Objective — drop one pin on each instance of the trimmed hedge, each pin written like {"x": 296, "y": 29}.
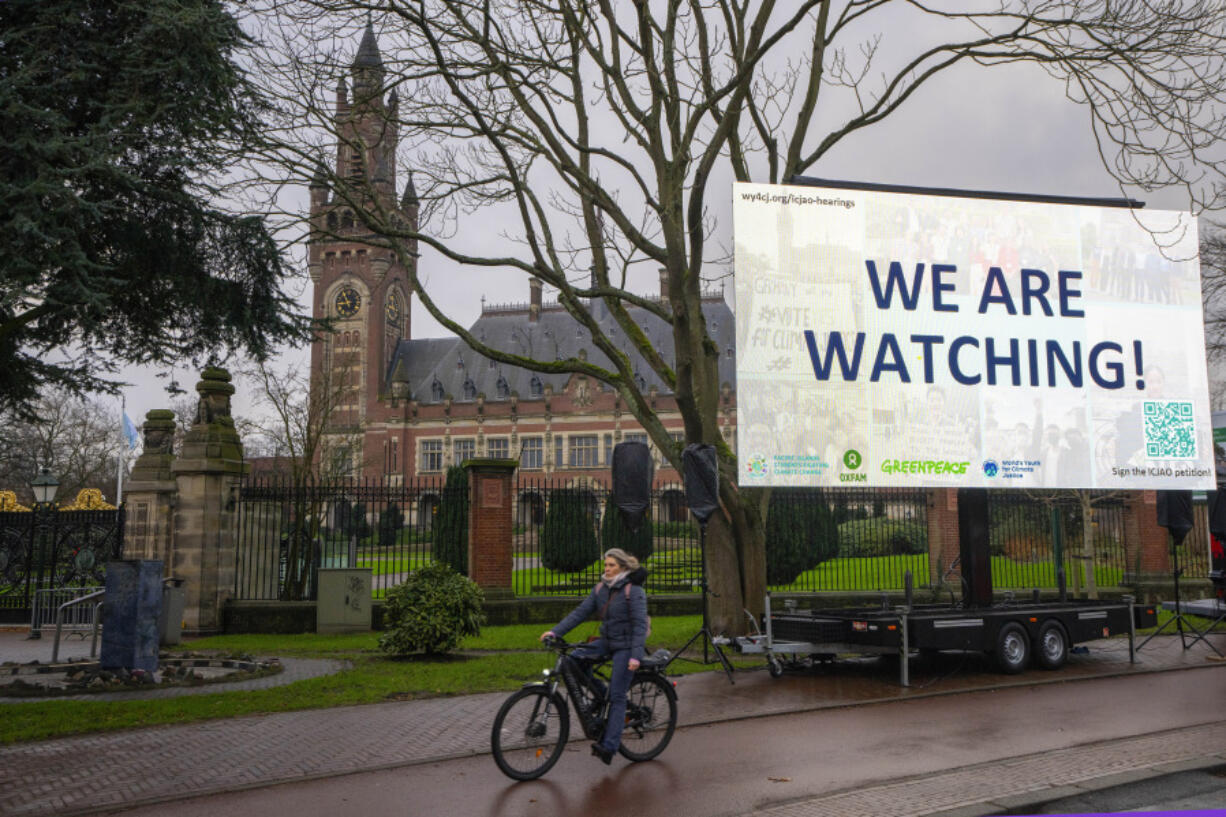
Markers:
{"x": 615, "y": 534}
{"x": 568, "y": 537}
{"x": 800, "y": 534}
{"x": 881, "y": 537}
{"x": 451, "y": 524}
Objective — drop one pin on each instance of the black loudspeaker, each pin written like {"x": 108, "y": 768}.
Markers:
{"x": 701, "y": 480}
{"x": 632, "y": 473}
{"x": 1175, "y": 513}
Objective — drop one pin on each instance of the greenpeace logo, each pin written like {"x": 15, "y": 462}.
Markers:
{"x": 923, "y": 467}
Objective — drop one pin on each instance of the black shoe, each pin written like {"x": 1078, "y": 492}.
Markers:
{"x": 604, "y": 754}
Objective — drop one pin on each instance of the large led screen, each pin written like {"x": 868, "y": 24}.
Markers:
{"x": 898, "y": 339}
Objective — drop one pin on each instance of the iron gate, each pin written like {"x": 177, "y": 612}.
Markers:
{"x": 44, "y": 550}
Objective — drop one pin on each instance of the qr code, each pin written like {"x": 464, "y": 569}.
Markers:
{"x": 1170, "y": 432}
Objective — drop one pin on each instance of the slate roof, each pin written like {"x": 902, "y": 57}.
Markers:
{"x": 451, "y": 364}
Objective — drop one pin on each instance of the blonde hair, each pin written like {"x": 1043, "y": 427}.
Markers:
{"x": 623, "y": 558}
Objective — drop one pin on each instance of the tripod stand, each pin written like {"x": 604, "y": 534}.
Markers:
{"x": 708, "y": 641}
{"x": 1179, "y": 619}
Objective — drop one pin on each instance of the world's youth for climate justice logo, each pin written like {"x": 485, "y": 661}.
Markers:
{"x": 990, "y": 468}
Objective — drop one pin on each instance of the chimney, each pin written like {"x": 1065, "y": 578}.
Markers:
{"x": 534, "y": 299}
{"x": 664, "y": 283}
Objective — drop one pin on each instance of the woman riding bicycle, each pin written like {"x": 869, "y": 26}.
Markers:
{"x": 621, "y": 605}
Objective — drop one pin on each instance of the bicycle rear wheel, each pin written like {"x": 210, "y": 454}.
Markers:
{"x": 651, "y": 717}
{"x": 529, "y": 733}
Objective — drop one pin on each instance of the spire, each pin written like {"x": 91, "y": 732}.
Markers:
{"x": 410, "y": 193}
{"x": 368, "y": 50}
{"x": 320, "y": 179}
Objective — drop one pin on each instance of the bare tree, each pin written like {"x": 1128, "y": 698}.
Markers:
{"x": 603, "y": 135}
{"x": 304, "y": 430}
{"x": 78, "y": 440}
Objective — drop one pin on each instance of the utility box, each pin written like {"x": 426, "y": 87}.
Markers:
{"x": 170, "y": 622}
{"x": 344, "y": 601}
{"x": 130, "y": 615}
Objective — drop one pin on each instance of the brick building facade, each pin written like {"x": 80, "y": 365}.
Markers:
{"x": 459, "y": 405}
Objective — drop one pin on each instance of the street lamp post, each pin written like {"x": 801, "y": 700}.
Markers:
{"x": 44, "y": 487}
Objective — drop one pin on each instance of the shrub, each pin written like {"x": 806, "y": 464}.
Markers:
{"x": 430, "y": 612}
{"x": 800, "y": 534}
{"x": 351, "y": 520}
{"x": 568, "y": 537}
{"x": 451, "y": 524}
{"x": 391, "y": 520}
{"x": 881, "y": 537}
{"x": 615, "y": 534}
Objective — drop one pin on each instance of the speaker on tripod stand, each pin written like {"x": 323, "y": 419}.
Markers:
{"x": 1175, "y": 514}
{"x": 700, "y": 468}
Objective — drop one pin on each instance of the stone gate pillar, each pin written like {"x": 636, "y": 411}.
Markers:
{"x": 490, "y": 502}
{"x": 207, "y": 472}
{"x": 151, "y": 492}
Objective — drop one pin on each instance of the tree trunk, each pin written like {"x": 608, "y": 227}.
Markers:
{"x": 1087, "y": 543}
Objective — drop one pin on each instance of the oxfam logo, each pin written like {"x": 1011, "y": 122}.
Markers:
{"x": 852, "y": 459}
{"x": 990, "y": 468}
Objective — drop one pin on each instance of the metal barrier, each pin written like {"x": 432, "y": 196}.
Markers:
{"x": 59, "y": 622}
{"x": 48, "y": 601}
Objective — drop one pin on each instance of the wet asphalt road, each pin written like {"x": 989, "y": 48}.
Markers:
{"x": 735, "y": 768}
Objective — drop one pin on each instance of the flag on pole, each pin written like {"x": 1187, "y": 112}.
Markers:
{"x": 129, "y": 431}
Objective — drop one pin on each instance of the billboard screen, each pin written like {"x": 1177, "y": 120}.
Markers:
{"x": 902, "y": 339}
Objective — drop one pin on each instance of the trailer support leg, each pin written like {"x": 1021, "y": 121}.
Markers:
{"x": 1132, "y": 630}
{"x": 904, "y": 670}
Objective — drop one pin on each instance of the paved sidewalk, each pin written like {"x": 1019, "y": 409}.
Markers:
{"x": 1025, "y": 781}
{"x": 89, "y": 773}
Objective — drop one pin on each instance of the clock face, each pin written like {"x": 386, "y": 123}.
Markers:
{"x": 348, "y": 302}
{"x": 393, "y": 309}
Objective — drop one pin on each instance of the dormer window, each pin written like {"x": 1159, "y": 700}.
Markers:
{"x": 470, "y": 389}
{"x": 640, "y": 382}
{"x": 536, "y": 388}
{"x": 436, "y": 390}
{"x": 503, "y": 388}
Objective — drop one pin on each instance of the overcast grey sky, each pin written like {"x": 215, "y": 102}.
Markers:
{"x": 1006, "y": 128}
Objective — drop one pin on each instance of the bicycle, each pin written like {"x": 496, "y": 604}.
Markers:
{"x": 532, "y": 726}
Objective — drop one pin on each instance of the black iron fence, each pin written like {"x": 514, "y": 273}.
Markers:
{"x": 833, "y": 539}
{"x": 289, "y": 530}
{"x": 48, "y": 549}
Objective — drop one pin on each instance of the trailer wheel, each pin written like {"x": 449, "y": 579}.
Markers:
{"x": 775, "y": 667}
{"x": 1052, "y": 649}
{"x": 1012, "y": 649}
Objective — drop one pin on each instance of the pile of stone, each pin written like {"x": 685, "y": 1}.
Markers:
{"x": 188, "y": 669}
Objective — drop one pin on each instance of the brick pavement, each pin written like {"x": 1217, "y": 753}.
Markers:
{"x": 1022, "y": 781}
{"x": 84, "y": 774}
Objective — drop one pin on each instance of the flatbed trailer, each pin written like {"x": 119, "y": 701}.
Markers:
{"x": 1013, "y": 632}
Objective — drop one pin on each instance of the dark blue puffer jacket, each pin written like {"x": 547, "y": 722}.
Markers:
{"x": 625, "y": 619}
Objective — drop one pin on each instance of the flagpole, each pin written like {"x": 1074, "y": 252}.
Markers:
{"x": 123, "y": 449}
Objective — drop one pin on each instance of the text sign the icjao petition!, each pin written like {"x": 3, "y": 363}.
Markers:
{"x": 889, "y": 338}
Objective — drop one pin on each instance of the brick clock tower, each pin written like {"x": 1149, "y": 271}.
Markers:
{"x": 362, "y": 288}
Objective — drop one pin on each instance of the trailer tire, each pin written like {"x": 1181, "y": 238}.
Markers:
{"x": 775, "y": 667}
{"x": 1051, "y": 651}
{"x": 1012, "y": 648}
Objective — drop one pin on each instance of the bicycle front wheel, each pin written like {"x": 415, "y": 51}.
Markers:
{"x": 651, "y": 717}
{"x": 529, "y": 733}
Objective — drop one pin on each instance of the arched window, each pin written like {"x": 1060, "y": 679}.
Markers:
{"x": 470, "y": 389}
{"x": 536, "y": 388}
{"x": 357, "y": 338}
{"x": 332, "y": 222}
{"x": 436, "y": 389}
{"x": 347, "y": 220}
{"x": 346, "y": 341}
{"x": 504, "y": 389}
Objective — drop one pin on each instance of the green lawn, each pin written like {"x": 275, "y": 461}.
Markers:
{"x": 500, "y": 658}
